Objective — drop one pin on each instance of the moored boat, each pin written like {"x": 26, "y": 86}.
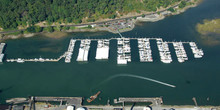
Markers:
{"x": 92, "y": 98}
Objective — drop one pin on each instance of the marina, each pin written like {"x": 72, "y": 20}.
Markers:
{"x": 123, "y": 51}
{"x": 69, "y": 53}
{"x": 193, "y": 78}
{"x": 84, "y": 50}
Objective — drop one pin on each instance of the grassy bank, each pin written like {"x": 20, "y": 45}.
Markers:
{"x": 209, "y": 26}
{"x": 209, "y": 31}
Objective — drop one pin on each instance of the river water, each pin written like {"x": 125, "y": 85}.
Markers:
{"x": 198, "y": 78}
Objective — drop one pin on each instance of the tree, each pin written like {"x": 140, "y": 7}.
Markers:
{"x": 31, "y": 29}
{"x": 66, "y": 28}
{"x": 89, "y": 26}
{"x": 91, "y": 20}
{"x": 38, "y": 29}
{"x": 113, "y": 16}
{"x": 182, "y": 4}
{"x": 171, "y": 9}
{"x": 57, "y": 28}
{"x": 49, "y": 29}
{"x": 135, "y": 17}
{"x": 15, "y": 13}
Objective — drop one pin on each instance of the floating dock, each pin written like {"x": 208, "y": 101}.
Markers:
{"x": 22, "y": 60}
{"x": 2, "y": 46}
{"x": 84, "y": 50}
{"x": 1, "y": 57}
{"x": 145, "y": 52}
{"x": 102, "y": 51}
{"x": 198, "y": 53}
{"x": 69, "y": 52}
{"x": 157, "y": 101}
{"x": 180, "y": 51}
{"x": 164, "y": 51}
{"x": 124, "y": 51}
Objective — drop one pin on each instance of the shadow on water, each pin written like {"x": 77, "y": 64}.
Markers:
{"x": 5, "y": 89}
{"x": 188, "y": 82}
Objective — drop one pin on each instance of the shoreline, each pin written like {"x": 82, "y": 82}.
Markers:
{"x": 60, "y": 103}
{"x": 158, "y": 17}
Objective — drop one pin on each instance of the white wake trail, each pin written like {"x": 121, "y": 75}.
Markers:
{"x": 136, "y": 76}
{"x": 149, "y": 79}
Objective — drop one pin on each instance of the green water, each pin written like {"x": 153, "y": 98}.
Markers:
{"x": 198, "y": 78}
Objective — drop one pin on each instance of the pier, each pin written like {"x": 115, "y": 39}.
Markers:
{"x": 164, "y": 51}
{"x": 77, "y": 101}
{"x": 22, "y": 60}
{"x": 157, "y": 101}
{"x": 70, "y": 51}
{"x": 123, "y": 50}
{"x": 84, "y": 50}
{"x": 180, "y": 51}
{"x": 198, "y": 53}
{"x": 145, "y": 52}
{"x": 68, "y": 100}
{"x": 2, "y": 46}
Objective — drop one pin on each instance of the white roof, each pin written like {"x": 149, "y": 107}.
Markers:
{"x": 80, "y": 55}
{"x": 147, "y": 108}
{"x": 70, "y": 108}
{"x": 1, "y": 57}
{"x": 81, "y": 108}
{"x": 122, "y": 61}
{"x": 85, "y": 56}
{"x": 102, "y": 53}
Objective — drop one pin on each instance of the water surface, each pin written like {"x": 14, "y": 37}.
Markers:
{"x": 195, "y": 78}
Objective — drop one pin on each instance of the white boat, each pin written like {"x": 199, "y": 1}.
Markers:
{"x": 19, "y": 60}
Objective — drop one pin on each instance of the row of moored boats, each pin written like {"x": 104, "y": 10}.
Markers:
{"x": 180, "y": 51}
{"x": 2, "y": 46}
{"x": 164, "y": 51}
{"x": 145, "y": 52}
{"x": 123, "y": 51}
{"x": 198, "y": 53}
{"x": 69, "y": 52}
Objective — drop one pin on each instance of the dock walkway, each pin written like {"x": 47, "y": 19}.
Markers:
{"x": 69, "y": 100}
{"x": 157, "y": 101}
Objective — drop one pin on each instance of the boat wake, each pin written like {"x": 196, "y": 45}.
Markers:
{"x": 135, "y": 76}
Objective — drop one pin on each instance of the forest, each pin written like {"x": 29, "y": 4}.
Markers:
{"x": 14, "y": 13}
